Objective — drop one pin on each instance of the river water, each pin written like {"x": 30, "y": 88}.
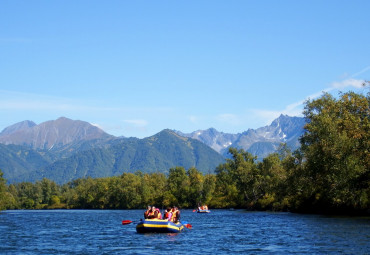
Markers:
{"x": 219, "y": 232}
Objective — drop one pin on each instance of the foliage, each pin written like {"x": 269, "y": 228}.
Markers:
{"x": 2, "y": 191}
{"x": 329, "y": 174}
{"x": 157, "y": 153}
{"x": 336, "y": 147}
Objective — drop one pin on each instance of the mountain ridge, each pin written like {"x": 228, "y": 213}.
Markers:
{"x": 157, "y": 153}
{"x": 66, "y": 149}
{"x": 52, "y": 134}
{"x": 17, "y": 127}
{"x": 261, "y": 141}
{"x": 102, "y": 156}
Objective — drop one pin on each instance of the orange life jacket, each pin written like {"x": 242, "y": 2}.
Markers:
{"x": 174, "y": 214}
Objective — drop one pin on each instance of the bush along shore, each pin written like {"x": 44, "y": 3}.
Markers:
{"x": 329, "y": 174}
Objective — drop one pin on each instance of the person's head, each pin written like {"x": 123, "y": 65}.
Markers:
{"x": 149, "y": 207}
{"x": 153, "y": 208}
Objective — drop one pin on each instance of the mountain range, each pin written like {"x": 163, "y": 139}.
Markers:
{"x": 64, "y": 149}
{"x": 259, "y": 142}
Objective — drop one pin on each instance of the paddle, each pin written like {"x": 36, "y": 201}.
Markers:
{"x": 186, "y": 224}
{"x": 125, "y": 222}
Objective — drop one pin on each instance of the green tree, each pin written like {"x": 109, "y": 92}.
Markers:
{"x": 272, "y": 180}
{"x": 2, "y": 192}
{"x": 85, "y": 193}
{"x": 48, "y": 189}
{"x": 209, "y": 186}
{"x": 196, "y": 193}
{"x": 178, "y": 187}
{"x": 336, "y": 147}
{"x": 113, "y": 193}
{"x": 225, "y": 193}
{"x": 152, "y": 189}
{"x": 130, "y": 196}
{"x": 13, "y": 195}
{"x": 246, "y": 175}
{"x": 29, "y": 195}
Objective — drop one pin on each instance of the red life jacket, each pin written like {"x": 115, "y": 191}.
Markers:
{"x": 168, "y": 216}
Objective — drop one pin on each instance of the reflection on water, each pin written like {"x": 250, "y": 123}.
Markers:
{"x": 220, "y": 232}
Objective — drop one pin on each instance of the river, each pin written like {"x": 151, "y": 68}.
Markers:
{"x": 219, "y": 232}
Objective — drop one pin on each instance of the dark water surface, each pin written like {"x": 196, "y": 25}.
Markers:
{"x": 219, "y": 232}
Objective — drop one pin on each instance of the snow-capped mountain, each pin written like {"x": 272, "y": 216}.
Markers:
{"x": 218, "y": 141}
{"x": 259, "y": 142}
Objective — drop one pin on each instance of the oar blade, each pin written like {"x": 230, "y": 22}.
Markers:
{"x": 188, "y": 226}
{"x": 125, "y": 222}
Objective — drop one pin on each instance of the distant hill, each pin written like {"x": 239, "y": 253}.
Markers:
{"x": 218, "y": 141}
{"x": 266, "y": 140}
{"x": 157, "y": 153}
{"x": 20, "y": 126}
{"x": 259, "y": 142}
{"x": 51, "y": 135}
{"x": 64, "y": 149}
{"x": 18, "y": 162}
{"x": 97, "y": 155}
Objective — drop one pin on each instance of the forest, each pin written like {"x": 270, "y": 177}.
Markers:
{"x": 330, "y": 174}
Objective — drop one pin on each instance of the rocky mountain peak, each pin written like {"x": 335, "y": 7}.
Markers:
{"x": 23, "y": 125}
{"x": 260, "y": 141}
{"x": 54, "y": 134}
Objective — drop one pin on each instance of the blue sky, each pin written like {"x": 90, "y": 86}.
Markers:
{"x": 135, "y": 68}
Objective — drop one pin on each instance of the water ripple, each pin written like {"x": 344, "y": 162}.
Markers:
{"x": 220, "y": 232}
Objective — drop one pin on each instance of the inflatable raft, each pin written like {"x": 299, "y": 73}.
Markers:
{"x": 158, "y": 226}
{"x": 203, "y": 211}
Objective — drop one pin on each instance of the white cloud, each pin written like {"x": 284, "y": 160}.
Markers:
{"x": 296, "y": 109}
{"x": 348, "y": 83}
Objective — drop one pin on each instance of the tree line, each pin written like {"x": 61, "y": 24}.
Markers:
{"x": 328, "y": 174}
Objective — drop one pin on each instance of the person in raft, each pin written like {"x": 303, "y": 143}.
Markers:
{"x": 203, "y": 207}
{"x": 147, "y": 212}
{"x": 175, "y": 214}
{"x": 156, "y": 213}
{"x": 152, "y": 213}
{"x": 167, "y": 214}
